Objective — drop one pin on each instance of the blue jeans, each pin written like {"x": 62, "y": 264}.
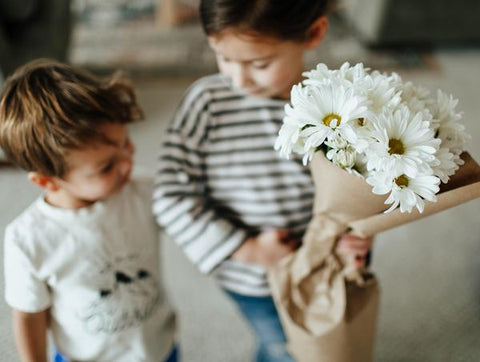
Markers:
{"x": 262, "y": 316}
{"x": 172, "y": 357}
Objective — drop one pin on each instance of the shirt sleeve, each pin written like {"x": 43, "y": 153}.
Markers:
{"x": 24, "y": 290}
{"x": 181, "y": 204}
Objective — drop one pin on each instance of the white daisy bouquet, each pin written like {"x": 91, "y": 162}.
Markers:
{"x": 403, "y": 143}
{"x": 397, "y": 136}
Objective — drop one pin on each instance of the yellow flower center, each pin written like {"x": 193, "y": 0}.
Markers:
{"x": 361, "y": 122}
{"x": 402, "y": 181}
{"x": 395, "y": 147}
{"x": 327, "y": 120}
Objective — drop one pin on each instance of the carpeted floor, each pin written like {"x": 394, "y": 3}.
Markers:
{"x": 429, "y": 270}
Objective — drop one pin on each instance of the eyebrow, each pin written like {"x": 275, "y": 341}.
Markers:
{"x": 260, "y": 59}
{"x": 251, "y": 60}
{"x": 111, "y": 142}
{"x": 111, "y": 159}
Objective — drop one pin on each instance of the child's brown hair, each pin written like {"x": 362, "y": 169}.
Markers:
{"x": 48, "y": 108}
{"x": 283, "y": 19}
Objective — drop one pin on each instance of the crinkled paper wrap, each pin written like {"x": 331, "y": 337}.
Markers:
{"x": 329, "y": 312}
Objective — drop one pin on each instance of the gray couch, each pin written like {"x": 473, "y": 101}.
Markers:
{"x": 406, "y": 22}
{"x": 32, "y": 29}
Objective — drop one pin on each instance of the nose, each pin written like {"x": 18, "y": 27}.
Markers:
{"x": 131, "y": 147}
{"x": 240, "y": 76}
{"x": 126, "y": 161}
{"x": 126, "y": 165}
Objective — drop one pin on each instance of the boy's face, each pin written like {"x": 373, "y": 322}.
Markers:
{"x": 259, "y": 66}
{"x": 97, "y": 171}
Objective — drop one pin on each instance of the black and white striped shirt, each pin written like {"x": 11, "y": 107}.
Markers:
{"x": 220, "y": 179}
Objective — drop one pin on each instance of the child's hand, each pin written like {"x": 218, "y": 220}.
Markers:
{"x": 349, "y": 244}
{"x": 266, "y": 249}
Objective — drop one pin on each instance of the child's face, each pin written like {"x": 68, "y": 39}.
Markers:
{"x": 260, "y": 66}
{"x": 97, "y": 171}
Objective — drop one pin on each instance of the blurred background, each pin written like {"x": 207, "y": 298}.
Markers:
{"x": 429, "y": 270}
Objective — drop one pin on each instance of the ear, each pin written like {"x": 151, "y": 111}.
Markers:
{"x": 316, "y": 32}
{"x": 48, "y": 183}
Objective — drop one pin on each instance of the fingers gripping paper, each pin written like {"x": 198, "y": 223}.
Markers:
{"x": 328, "y": 311}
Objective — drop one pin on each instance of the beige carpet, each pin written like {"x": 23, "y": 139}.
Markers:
{"x": 429, "y": 270}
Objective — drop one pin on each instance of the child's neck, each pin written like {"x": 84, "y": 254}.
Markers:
{"x": 286, "y": 96}
{"x": 299, "y": 80}
{"x": 62, "y": 201}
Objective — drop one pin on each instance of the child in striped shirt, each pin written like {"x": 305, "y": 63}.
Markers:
{"x": 225, "y": 196}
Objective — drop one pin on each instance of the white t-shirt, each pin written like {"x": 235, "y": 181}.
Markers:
{"x": 97, "y": 269}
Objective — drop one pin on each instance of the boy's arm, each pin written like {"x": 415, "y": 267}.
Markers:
{"x": 180, "y": 204}
{"x": 26, "y": 291}
{"x": 30, "y": 331}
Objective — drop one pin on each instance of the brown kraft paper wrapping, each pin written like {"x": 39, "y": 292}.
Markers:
{"x": 329, "y": 311}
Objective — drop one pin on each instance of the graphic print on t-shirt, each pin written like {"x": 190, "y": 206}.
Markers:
{"x": 127, "y": 294}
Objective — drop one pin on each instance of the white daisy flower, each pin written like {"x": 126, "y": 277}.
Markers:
{"x": 363, "y": 128}
{"x": 405, "y": 192}
{"x": 343, "y": 157}
{"x": 382, "y": 92}
{"x": 395, "y": 80}
{"x": 447, "y": 164}
{"x": 443, "y": 109}
{"x": 360, "y": 166}
{"x": 288, "y": 139}
{"x": 336, "y": 141}
{"x": 354, "y": 73}
{"x": 405, "y": 143}
{"x": 453, "y": 137}
{"x": 320, "y": 75}
{"x": 417, "y": 98}
{"x": 450, "y": 131}
{"x": 326, "y": 110}
{"x": 346, "y": 75}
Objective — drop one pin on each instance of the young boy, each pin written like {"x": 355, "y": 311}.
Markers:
{"x": 83, "y": 259}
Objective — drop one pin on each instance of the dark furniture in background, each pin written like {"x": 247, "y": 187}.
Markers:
{"x": 32, "y": 29}
{"x": 414, "y": 22}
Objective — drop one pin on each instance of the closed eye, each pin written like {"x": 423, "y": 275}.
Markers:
{"x": 221, "y": 58}
{"x": 260, "y": 65}
{"x": 107, "y": 168}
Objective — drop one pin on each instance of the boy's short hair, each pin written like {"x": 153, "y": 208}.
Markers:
{"x": 48, "y": 108}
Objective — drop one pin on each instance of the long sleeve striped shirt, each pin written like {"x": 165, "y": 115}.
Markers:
{"x": 220, "y": 180}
